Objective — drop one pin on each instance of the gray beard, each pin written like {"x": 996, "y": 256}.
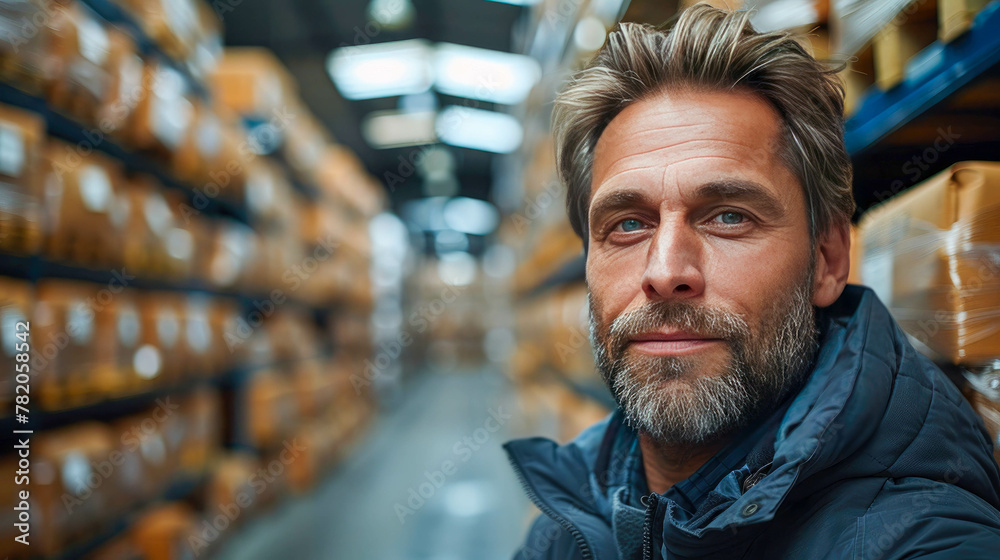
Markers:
{"x": 701, "y": 407}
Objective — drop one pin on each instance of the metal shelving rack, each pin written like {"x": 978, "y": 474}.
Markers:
{"x": 892, "y": 127}
{"x": 35, "y": 267}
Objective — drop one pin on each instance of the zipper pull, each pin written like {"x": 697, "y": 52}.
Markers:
{"x": 752, "y": 480}
{"x": 651, "y": 502}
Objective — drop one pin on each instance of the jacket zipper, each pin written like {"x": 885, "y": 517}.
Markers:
{"x": 755, "y": 478}
{"x": 651, "y": 502}
{"x": 581, "y": 541}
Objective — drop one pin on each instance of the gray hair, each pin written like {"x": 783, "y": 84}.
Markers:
{"x": 708, "y": 48}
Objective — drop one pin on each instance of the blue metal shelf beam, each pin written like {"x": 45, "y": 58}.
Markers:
{"x": 931, "y": 76}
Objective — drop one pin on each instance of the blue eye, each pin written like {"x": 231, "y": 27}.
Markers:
{"x": 731, "y": 218}
{"x": 631, "y": 225}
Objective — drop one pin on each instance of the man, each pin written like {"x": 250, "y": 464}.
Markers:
{"x": 766, "y": 409}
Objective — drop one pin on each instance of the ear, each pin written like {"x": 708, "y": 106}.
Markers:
{"x": 833, "y": 263}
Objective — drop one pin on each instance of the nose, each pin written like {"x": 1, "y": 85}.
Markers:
{"x": 673, "y": 264}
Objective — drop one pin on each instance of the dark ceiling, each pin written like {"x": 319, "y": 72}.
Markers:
{"x": 303, "y": 32}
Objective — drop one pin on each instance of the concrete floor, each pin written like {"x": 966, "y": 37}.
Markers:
{"x": 431, "y": 454}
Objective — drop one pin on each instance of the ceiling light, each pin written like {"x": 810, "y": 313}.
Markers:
{"x": 478, "y": 129}
{"x": 449, "y": 241}
{"x": 487, "y": 75}
{"x": 391, "y": 14}
{"x": 381, "y": 69}
{"x": 470, "y": 215}
{"x": 517, "y": 2}
{"x": 396, "y": 129}
{"x": 426, "y": 214}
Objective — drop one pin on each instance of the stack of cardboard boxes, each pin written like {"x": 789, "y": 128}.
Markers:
{"x": 932, "y": 254}
{"x": 188, "y": 245}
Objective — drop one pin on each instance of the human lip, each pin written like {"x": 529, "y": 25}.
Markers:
{"x": 671, "y": 343}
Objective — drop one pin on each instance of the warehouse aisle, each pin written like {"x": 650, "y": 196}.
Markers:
{"x": 430, "y": 481}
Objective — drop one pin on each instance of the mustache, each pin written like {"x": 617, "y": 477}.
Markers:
{"x": 677, "y": 315}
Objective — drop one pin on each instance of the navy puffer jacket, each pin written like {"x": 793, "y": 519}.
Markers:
{"x": 877, "y": 457}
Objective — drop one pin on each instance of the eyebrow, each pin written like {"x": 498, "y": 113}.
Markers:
{"x": 729, "y": 189}
{"x": 741, "y": 190}
{"x": 619, "y": 200}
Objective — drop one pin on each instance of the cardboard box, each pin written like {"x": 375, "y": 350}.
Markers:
{"x": 231, "y": 254}
{"x": 22, "y": 141}
{"x": 202, "y": 142}
{"x": 145, "y": 470}
{"x": 172, "y": 25}
{"x": 207, "y": 51}
{"x": 185, "y": 239}
{"x": 132, "y": 350}
{"x": 148, "y": 231}
{"x": 16, "y": 307}
{"x": 305, "y": 145}
{"x": 235, "y": 482}
{"x": 895, "y": 44}
{"x": 125, "y": 90}
{"x": 930, "y": 254}
{"x": 74, "y": 344}
{"x": 166, "y": 532}
{"x": 956, "y": 16}
{"x": 857, "y": 77}
{"x": 199, "y": 338}
{"x": 24, "y": 58}
{"x": 251, "y": 81}
{"x": 85, "y": 213}
{"x": 160, "y": 331}
{"x": 163, "y": 117}
{"x": 343, "y": 179}
{"x": 269, "y": 194}
{"x": 75, "y": 498}
{"x": 730, "y": 5}
{"x": 315, "y": 388}
{"x": 273, "y": 409}
{"x": 105, "y": 379}
{"x": 80, "y": 51}
{"x": 854, "y": 276}
{"x": 202, "y": 414}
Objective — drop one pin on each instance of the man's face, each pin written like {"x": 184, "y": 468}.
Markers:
{"x": 700, "y": 264}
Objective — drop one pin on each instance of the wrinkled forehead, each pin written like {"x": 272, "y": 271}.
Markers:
{"x": 678, "y": 141}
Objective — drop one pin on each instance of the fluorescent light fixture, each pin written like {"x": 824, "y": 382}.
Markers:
{"x": 449, "y": 241}
{"x": 478, "y": 129}
{"x": 426, "y": 214}
{"x": 396, "y": 129}
{"x": 483, "y": 74}
{"x": 517, "y": 2}
{"x": 381, "y": 69}
{"x": 392, "y": 14}
{"x": 470, "y": 215}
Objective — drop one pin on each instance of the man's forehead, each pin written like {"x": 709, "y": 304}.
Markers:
{"x": 693, "y": 111}
{"x": 717, "y": 136}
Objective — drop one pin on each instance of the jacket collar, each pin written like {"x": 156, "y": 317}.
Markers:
{"x": 851, "y": 412}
